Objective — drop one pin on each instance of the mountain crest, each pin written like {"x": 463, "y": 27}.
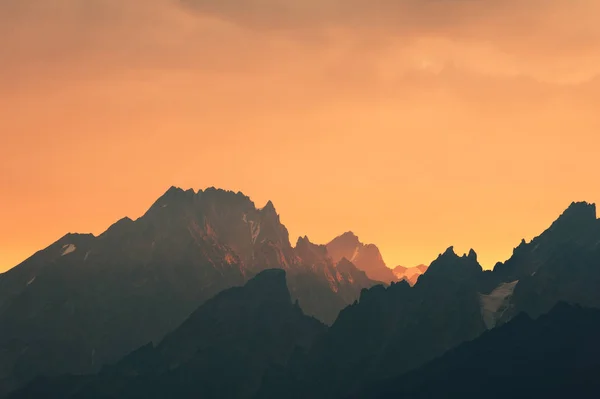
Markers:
{"x": 472, "y": 254}
{"x": 451, "y": 266}
{"x": 450, "y": 252}
{"x": 310, "y": 252}
{"x": 578, "y": 213}
{"x": 268, "y": 208}
{"x": 349, "y": 237}
{"x": 303, "y": 241}
{"x": 173, "y": 196}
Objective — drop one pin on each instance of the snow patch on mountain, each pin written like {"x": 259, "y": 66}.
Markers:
{"x": 496, "y": 303}
{"x": 254, "y": 230}
{"x": 67, "y": 249}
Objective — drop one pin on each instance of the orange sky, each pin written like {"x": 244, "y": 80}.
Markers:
{"x": 417, "y": 124}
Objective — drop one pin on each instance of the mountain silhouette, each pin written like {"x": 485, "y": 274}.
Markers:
{"x": 389, "y": 331}
{"x": 410, "y": 274}
{"x": 366, "y": 257}
{"x": 554, "y": 356}
{"x": 392, "y": 331}
{"x": 561, "y": 264}
{"x": 222, "y": 350}
{"x": 90, "y": 300}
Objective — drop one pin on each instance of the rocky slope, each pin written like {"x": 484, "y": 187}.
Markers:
{"x": 389, "y": 331}
{"x": 222, "y": 350}
{"x": 89, "y": 300}
{"x": 562, "y": 264}
{"x": 555, "y": 356}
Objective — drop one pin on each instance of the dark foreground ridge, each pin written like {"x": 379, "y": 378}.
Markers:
{"x": 555, "y": 356}
{"x": 222, "y": 350}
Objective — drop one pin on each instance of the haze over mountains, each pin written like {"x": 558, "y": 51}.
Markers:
{"x": 410, "y": 274}
{"x": 368, "y": 258}
{"x": 205, "y": 287}
{"x": 97, "y": 298}
{"x": 365, "y": 257}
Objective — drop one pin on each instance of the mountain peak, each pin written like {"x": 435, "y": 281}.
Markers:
{"x": 584, "y": 205}
{"x": 450, "y": 265}
{"x": 365, "y": 257}
{"x": 173, "y": 190}
{"x": 450, "y": 252}
{"x": 578, "y": 212}
{"x": 269, "y": 207}
{"x": 220, "y": 194}
{"x": 349, "y": 237}
{"x": 472, "y": 254}
{"x": 349, "y": 233}
{"x": 303, "y": 240}
{"x": 173, "y": 194}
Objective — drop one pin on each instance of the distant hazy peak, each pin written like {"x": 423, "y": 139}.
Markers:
{"x": 305, "y": 241}
{"x": 309, "y": 251}
{"x": 349, "y": 236}
{"x": 409, "y": 274}
{"x": 349, "y": 240}
{"x": 366, "y": 257}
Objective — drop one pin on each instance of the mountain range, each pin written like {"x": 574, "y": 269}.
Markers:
{"x": 205, "y": 295}
{"x": 91, "y": 300}
{"x": 410, "y": 274}
{"x": 368, "y": 259}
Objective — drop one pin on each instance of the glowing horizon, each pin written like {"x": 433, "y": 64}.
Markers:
{"x": 459, "y": 251}
{"x": 417, "y": 125}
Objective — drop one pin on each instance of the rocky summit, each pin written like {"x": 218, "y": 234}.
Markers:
{"x": 94, "y": 299}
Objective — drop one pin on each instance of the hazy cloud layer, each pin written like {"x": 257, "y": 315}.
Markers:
{"x": 550, "y": 40}
{"x": 537, "y": 31}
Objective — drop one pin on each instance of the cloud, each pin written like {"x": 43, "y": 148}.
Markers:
{"x": 554, "y": 38}
{"x": 353, "y": 44}
{"x": 486, "y": 19}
